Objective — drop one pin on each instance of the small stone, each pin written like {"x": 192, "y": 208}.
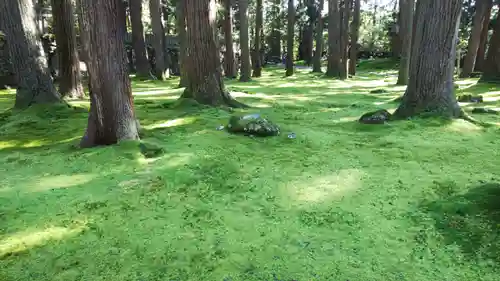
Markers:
{"x": 378, "y": 91}
{"x": 292, "y": 136}
{"x": 470, "y": 98}
{"x": 220, "y": 128}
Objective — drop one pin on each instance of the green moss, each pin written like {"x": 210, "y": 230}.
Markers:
{"x": 412, "y": 200}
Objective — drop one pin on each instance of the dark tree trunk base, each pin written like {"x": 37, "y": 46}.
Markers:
{"x": 446, "y": 110}
{"x": 225, "y": 100}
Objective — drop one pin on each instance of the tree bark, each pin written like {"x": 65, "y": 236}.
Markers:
{"x": 230, "y": 70}
{"x": 491, "y": 71}
{"x": 142, "y": 65}
{"x": 318, "y": 53}
{"x": 290, "y": 38}
{"x": 356, "y": 22}
{"x": 111, "y": 116}
{"x": 181, "y": 30}
{"x": 274, "y": 39}
{"x": 344, "y": 37}
{"x": 161, "y": 70}
{"x": 483, "y": 44}
{"x": 257, "y": 68}
{"x": 35, "y": 86}
{"x": 245, "y": 67}
{"x": 475, "y": 37}
{"x": 407, "y": 10}
{"x": 205, "y": 84}
{"x": 70, "y": 84}
{"x": 430, "y": 87}
{"x": 334, "y": 40}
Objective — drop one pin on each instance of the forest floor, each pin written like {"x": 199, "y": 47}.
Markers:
{"x": 410, "y": 200}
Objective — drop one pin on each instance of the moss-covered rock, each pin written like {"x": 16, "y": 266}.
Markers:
{"x": 375, "y": 117}
{"x": 483, "y": 110}
{"x": 470, "y": 98}
{"x": 252, "y": 124}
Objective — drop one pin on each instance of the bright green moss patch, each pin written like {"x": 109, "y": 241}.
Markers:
{"x": 412, "y": 200}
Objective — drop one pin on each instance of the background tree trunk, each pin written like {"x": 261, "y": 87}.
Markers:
{"x": 245, "y": 67}
{"x": 344, "y": 37}
{"x": 318, "y": 54}
{"x": 70, "y": 84}
{"x": 334, "y": 34}
{"x": 491, "y": 71}
{"x": 34, "y": 84}
{"x": 475, "y": 37}
{"x": 181, "y": 30}
{"x": 290, "y": 37}
{"x": 257, "y": 68}
{"x": 230, "y": 70}
{"x": 111, "y": 117}
{"x": 141, "y": 59}
{"x": 407, "y": 10}
{"x": 356, "y": 22}
{"x": 430, "y": 87}
{"x": 205, "y": 83}
{"x": 483, "y": 44}
{"x": 161, "y": 70}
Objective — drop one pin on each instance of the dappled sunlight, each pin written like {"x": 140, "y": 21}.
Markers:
{"x": 171, "y": 123}
{"x": 170, "y": 160}
{"x": 59, "y": 181}
{"x": 156, "y": 92}
{"x": 345, "y": 119}
{"x": 463, "y": 126}
{"x": 26, "y": 240}
{"x": 317, "y": 189}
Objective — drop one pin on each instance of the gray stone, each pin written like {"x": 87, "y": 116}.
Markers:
{"x": 252, "y": 125}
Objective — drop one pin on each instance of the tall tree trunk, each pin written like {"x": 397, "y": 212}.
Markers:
{"x": 274, "y": 39}
{"x": 230, "y": 70}
{"x": 318, "y": 53}
{"x": 205, "y": 84}
{"x": 35, "y": 86}
{"x": 430, "y": 88}
{"x": 356, "y": 22}
{"x": 334, "y": 42}
{"x": 491, "y": 71}
{"x": 257, "y": 68}
{"x": 244, "y": 42}
{"x": 161, "y": 70}
{"x": 111, "y": 116}
{"x": 70, "y": 84}
{"x": 344, "y": 37}
{"x": 483, "y": 44}
{"x": 407, "y": 10}
{"x": 141, "y": 59}
{"x": 475, "y": 37}
{"x": 181, "y": 29}
{"x": 289, "y": 38}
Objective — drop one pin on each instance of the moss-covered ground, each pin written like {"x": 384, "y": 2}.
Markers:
{"x": 410, "y": 200}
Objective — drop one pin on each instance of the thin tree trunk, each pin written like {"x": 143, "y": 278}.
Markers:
{"x": 244, "y": 42}
{"x": 70, "y": 84}
{"x": 141, "y": 58}
{"x": 111, "y": 116}
{"x": 290, "y": 38}
{"x": 491, "y": 71}
{"x": 205, "y": 84}
{"x": 407, "y": 10}
{"x": 318, "y": 53}
{"x": 181, "y": 29}
{"x": 257, "y": 68}
{"x": 481, "y": 52}
{"x": 35, "y": 86}
{"x": 230, "y": 70}
{"x": 161, "y": 70}
{"x": 334, "y": 42}
{"x": 356, "y": 22}
{"x": 430, "y": 87}
{"x": 475, "y": 37}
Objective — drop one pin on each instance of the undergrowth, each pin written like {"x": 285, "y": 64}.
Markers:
{"x": 410, "y": 200}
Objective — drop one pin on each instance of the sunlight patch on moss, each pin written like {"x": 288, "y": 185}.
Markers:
{"x": 324, "y": 188}
{"x": 462, "y": 126}
{"x": 25, "y": 240}
{"x": 171, "y": 123}
{"x": 59, "y": 181}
